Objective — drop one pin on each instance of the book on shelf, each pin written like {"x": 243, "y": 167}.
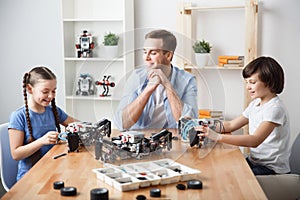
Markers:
{"x": 225, "y": 61}
{"x": 235, "y": 61}
{"x": 207, "y": 113}
{"x": 204, "y": 116}
{"x": 231, "y": 61}
{"x": 231, "y": 57}
{"x": 210, "y": 117}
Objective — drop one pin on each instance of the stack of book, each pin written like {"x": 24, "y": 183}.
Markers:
{"x": 207, "y": 113}
{"x": 231, "y": 61}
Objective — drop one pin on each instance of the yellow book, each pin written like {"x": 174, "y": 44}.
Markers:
{"x": 204, "y": 112}
{"x": 231, "y": 57}
{"x": 204, "y": 116}
{"x": 210, "y": 113}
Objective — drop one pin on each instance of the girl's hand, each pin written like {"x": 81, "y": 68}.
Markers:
{"x": 207, "y": 132}
{"x": 49, "y": 138}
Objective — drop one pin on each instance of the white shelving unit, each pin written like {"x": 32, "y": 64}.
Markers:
{"x": 98, "y": 17}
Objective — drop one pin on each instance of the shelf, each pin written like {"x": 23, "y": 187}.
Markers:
{"x": 92, "y": 20}
{"x": 197, "y": 21}
{"x": 189, "y": 8}
{"x": 98, "y": 17}
{"x": 91, "y": 98}
{"x": 93, "y": 59}
{"x": 215, "y": 67}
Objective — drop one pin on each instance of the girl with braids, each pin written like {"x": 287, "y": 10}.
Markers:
{"x": 34, "y": 128}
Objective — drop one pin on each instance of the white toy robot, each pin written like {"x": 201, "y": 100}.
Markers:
{"x": 85, "y": 45}
{"x": 85, "y": 85}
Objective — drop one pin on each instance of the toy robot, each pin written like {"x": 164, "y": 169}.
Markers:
{"x": 132, "y": 144}
{"x": 188, "y": 132}
{"x": 106, "y": 84}
{"x": 85, "y": 45}
{"x": 85, "y": 85}
{"x": 90, "y": 133}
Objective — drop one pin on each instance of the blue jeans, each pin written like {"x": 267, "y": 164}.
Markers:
{"x": 260, "y": 170}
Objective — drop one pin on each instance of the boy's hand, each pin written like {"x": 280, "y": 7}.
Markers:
{"x": 207, "y": 132}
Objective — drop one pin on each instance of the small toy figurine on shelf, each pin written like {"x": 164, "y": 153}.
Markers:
{"x": 85, "y": 85}
{"x": 106, "y": 84}
{"x": 85, "y": 45}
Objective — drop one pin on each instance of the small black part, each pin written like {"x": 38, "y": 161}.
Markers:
{"x": 141, "y": 197}
{"x": 58, "y": 184}
{"x": 177, "y": 170}
{"x": 194, "y": 184}
{"x": 180, "y": 186}
{"x": 142, "y": 178}
{"x": 68, "y": 191}
{"x": 155, "y": 192}
{"x": 194, "y": 138}
{"x": 174, "y": 138}
{"x": 73, "y": 142}
{"x": 99, "y": 193}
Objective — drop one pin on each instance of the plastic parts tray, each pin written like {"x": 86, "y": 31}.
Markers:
{"x": 144, "y": 174}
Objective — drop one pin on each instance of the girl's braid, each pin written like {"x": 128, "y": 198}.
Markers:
{"x": 55, "y": 115}
{"x": 25, "y": 82}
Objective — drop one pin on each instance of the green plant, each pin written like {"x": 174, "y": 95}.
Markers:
{"x": 111, "y": 39}
{"x": 202, "y": 47}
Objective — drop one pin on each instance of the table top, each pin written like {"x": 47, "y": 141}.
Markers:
{"x": 225, "y": 174}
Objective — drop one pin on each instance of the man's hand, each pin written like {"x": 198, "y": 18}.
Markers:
{"x": 162, "y": 71}
{"x": 154, "y": 79}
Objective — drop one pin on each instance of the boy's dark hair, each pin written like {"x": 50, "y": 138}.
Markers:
{"x": 32, "y": 78}
{"x": 169, "y": 40}
{"x": 269, "y": 72}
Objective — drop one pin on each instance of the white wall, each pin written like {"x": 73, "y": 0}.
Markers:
{"x": 31, "y": 35}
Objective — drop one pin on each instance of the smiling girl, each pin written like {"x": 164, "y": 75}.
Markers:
{"x": 267, "y": 117}
{"x": 34, "y": 128}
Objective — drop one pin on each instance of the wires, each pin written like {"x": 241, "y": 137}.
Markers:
{"x": 218, "y": 126}
{"x": 187, "y": 126}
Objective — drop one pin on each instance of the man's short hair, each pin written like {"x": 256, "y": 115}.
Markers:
{"x": 168, "y": 39}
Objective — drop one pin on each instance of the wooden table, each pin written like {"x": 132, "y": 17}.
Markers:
{"x": 224, "y": 173}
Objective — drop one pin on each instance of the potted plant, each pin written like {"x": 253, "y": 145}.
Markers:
{"x": 110, "y": 43}
{"x": 202, "y": 52}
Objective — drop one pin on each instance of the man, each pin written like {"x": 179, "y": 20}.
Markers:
{"x": 158, "y": 94}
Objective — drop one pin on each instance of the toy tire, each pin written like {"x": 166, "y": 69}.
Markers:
{"x": 99, "y": 193}
{"x": 155, "y": 192}
{"x": 58, "y": 185}
{"x": 194, "y": 184}
{"x": 68, "y": 191}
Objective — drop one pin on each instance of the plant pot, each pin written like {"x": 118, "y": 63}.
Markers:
{"x": 202, "y": 59}
{"x": 111, "y": 51}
